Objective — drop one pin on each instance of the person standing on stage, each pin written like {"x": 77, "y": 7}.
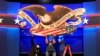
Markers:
{"x": 50, "y": 41}
{"x": 35, "y": 51}
{"x": 61, "y": 44}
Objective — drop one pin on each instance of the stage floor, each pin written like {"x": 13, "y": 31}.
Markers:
{"x": 57, "y": 55}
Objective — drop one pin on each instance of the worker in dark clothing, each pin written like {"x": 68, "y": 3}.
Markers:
{"x": 35, "y": 51}
{"x": 61, "y": 44}
{"x": 50, "y": 46}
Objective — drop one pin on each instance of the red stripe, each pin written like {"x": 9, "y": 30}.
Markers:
{"x": 54, "y": 32}
{"x": 48, "y": 31}
{"x": 93, "y": 15}
{"x": 61, "y": 32}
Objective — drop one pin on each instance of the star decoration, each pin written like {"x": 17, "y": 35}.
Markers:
{"x": 85, "y": 21}
{"x": 1, "y": 20}
{"x": 17, "y": 21}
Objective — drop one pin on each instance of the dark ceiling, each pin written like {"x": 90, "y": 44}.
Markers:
{"x": 50, "y": 1}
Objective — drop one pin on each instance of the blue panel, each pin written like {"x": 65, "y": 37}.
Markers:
{"x": 90, "y": 7}
{"x": 25, "y": 44}
{"x": 90, "y": 42}
{"x": 49, "y": 7}
{"x": 78, "y": 32}
{"x": 13, "y": 7}
{"x": 3, "y": 7}
{"x": 98, "y": 41}
{"x": 13, "y": 41}
{"x": 23, "y": 5}
{"x": 3, "y": 41}
{"x": 98, "y": 6}
{"x": 74, "y": 6}
{"x": 76, "y": 43}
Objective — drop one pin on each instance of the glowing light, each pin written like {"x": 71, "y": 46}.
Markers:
{"x": 1, "y": 20}
{"x": 84, "y": 10}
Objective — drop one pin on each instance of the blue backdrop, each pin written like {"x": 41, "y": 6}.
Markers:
{"x": 75, "y": 40}
{"x": 9, "y": 41}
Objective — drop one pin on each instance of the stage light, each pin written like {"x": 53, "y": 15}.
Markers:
{"x": 1, "y": 20}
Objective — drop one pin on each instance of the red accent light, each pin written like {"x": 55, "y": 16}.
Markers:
{"x": 93, "y": 15}
{"x": 8, "y": 15}
{"x": 94, "y": 25}
{"x": 4, "y": 25}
